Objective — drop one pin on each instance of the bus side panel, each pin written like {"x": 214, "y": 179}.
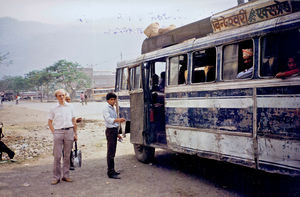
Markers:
{"x": 234, "y": 149}
{"x": 137, "y": 114}
{"x": 279, "y": 155}
{"x": 215, "y": 124}
{"x": 278, "y": 129}
{"x": 225, "y": 110}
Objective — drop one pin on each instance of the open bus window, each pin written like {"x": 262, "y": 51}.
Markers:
{"x": 238, "y": 61}
{"x": 204, "y": 66}
{"x": 157, "y": 80}
{"x": 124, "y": 79}
{"x": 276, "y": 49}
{"x": 178, "y": 70}
{"x": 135, "y": 78}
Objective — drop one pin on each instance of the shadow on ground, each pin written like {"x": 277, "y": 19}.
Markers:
{"x": 241, "y": 180}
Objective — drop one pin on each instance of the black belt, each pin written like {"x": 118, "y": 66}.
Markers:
{"x": 66, "y": 128}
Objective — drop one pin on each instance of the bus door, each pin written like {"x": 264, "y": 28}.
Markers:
{"x": 136, "y": 105}
{"x": 156, "y": 102}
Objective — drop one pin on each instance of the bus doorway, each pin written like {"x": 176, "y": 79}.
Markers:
{"x": 157, "y": 129}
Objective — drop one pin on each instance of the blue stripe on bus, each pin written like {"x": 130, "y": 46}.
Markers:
{"x": 278, "y": 90}
{"x": 124, "y": 112}
{"x": 123, "y": 97}
{"x": 278, "y": 122}
{"x": 232, "y": 120}
{"x": 214, "y": 93}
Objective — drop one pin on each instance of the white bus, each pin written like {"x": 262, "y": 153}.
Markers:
{"x": 210, "y": 88}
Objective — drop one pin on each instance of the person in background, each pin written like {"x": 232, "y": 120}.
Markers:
{"x": 293, "y": 69}
{"x": 62, "y": 124}
{"x": 3, "y": 147}
{"x": 247, "y": 65}
{"x": 68, "y": 99}
{"x": 85, "y": 98}
{"x": 112, "y": 124}
{"x": 82, "y": 98}
{"x": 162, "y": 81}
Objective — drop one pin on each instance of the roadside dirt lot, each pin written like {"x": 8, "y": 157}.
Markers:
{"x": 171, "y": 174}
{"x": 31, "y": 174}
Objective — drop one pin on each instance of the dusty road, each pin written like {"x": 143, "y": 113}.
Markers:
{"x": 169, "y": 175}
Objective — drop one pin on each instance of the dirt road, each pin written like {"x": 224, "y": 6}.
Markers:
{"x": 170, "y": 174}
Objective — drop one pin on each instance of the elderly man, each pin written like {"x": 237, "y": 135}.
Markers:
{"x": 62, "y": 124}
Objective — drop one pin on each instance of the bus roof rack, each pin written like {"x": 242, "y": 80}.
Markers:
{"x": 193, "y": 30}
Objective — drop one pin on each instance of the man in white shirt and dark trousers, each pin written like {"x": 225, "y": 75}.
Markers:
{"x": 62, "y": 123}
{"x": 112, "y": 124}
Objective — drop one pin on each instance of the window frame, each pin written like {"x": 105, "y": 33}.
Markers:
{"x": 238, "y": 42}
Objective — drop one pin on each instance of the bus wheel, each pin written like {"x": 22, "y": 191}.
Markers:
{"x": 143, "y": 153}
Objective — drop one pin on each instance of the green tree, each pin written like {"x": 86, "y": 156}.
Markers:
{"x": 40, "y": 80}
{"x": 68, "y": 75}
{"x": 15, "y": 84}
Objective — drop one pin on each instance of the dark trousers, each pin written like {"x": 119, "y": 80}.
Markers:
{"x": 111, "y": 137}
{"x": 5, "y": 149}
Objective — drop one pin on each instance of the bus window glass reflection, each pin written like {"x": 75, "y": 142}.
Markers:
{"x": 125, "y": 79}
{"x": 137, "y": 78}
{"x": 178, "y": 70}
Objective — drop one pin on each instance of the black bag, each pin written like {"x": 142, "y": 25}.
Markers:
{"x": 76, "y": 157}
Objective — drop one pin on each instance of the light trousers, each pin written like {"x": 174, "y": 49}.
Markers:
{"x": 62, "y": 141}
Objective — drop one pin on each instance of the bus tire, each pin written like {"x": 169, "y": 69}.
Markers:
{"x": 144, "y": 154}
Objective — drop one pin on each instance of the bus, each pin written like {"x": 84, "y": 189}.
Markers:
{"x": 212, "y": 89}
{"x": 99, "y": 94}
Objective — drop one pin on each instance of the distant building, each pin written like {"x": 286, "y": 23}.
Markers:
{"x": 100, "y": 79}
{"x": 103, "y": 79}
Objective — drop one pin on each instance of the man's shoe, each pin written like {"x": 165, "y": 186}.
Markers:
{"x": 67, "y": 179}
{"x": 54, "y": 182}
{"x": 116, "y": 173}
{"x": 72, "y": 168}
{"x": 114, "y": 176}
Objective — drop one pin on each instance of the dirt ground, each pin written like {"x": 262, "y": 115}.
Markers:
{"x": 31, "y": 175}
{"x": 171, "y": 174}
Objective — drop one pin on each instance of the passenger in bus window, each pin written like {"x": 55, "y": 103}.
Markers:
{"x": 293, "y": 69}
{"x": 162, "y": 81}
{"x": 247, "y": 65}
{"x": 155, "y": 80}
{"x": 181, "y": 77}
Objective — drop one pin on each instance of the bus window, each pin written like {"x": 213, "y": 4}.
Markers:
{"x": 178, "y": 70}
{"x": 135, "y": 78}
{"x": 125, "y": 79}
{"x": 238, "y": 61}
{"x": 276, "y": 50}
{"x": 131, "y": 78}
{"x": 204, "y": 66}
{"x": 157, "y": 80}
{"x": 118, "y": 79}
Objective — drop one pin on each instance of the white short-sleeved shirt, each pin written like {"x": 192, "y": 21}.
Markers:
{"x": 62, "y": 115}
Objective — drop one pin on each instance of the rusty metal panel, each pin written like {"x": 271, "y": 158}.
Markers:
{"x": 212, "y": 144}
{"x": 137, "y": 117}
{"x": 285, "y": 153}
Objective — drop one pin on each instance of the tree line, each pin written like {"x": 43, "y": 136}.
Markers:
{"x": 62, "y": 74}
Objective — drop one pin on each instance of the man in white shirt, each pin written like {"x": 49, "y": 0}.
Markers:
{"x": 62, "y": 124}
{"x": 112, "y": 124}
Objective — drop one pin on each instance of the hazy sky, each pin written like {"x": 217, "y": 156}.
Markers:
{"x": 105, "y": 17}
